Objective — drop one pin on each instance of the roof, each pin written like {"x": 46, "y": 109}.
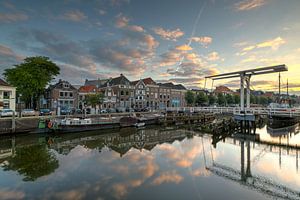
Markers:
{"x": 97, "y": 83}
{"x": 222, "y": 88}
{"x": 172, "y": 86}
{"x": 59, "y": 85}
{"x": 120, "y": 80}
{"x": 88, "y": 88}
{"x": 3, "y": 83}
{"x": 147, "y": 81}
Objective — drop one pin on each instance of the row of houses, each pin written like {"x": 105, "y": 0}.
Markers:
{"x": 118, "y": 92}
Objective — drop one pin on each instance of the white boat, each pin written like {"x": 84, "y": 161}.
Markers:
{"x": 76, "y": 121}
{"x": 139, "y": 124}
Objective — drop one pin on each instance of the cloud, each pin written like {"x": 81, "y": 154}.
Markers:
{"x": 167, "y": 177}
{"x": 11, "y": 194}
{"x": 168, "y": 34}
{"x": 12, "y": 17}
{"x": 204, "y": 41}
{"x": 101, "y": 12}
{"x": 119, "y": 2}
{"x": 184, "y": 47}
{"x": 249, "y": 4}
{"x": 274, "y": 44}
{"x": 213, "y": 56}
{"x": 8, "y": 58}
{"x": 121, "y": 21}
{"x": 74, "y": 15}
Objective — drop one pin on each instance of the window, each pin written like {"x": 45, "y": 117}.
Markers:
{"x": 122, "y": 93}
{"x": 61, "y": 94}
{"x": 6, "y": 105}
{"x": 127, "y": 93}
{"x": 5, "y": 95}
{"x": 71, "y": 94}
{"x": 66, "y": 94}
{"x": 66, "y": 85}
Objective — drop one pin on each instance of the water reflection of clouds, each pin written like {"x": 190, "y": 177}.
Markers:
{"x": 267, "y": 167}
{"x": 6, "y": 193}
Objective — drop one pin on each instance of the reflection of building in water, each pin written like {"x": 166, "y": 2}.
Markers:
{"x": 128, "y": 138}
{"x": 244, "y": 176}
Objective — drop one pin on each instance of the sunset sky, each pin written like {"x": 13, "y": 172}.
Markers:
{"x": 170, "y": 40}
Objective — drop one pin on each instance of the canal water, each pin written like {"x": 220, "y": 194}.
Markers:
{"x": 150, "y": 163}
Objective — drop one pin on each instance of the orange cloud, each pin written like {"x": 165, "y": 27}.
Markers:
{"x": 184, "y": 47}
{"x": 121, "y": 21}
{"x": 168, "y": 177}
{"x": 249, "y": 4}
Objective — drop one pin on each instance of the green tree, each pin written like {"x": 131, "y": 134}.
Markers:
{"x": 94, "y": 99}
{"x": 189, "y": 98}
{"x": 32, "y": 162}
{"x": 263, "y": 100}
{"x": 237, "y": 99}
{"x": 229, "y": 99}
{"x": 201, "y": 99}
{"x": 253, "y": 99}
{"x": 212, "y": 99}
{"x": 31, "y": 78}
{"x": 221, "y": 99}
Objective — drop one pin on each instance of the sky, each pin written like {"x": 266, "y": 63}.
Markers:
{"x": 169, "y": 40}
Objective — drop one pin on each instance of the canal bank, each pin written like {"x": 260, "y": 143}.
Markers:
{"x": 63, "y": 124}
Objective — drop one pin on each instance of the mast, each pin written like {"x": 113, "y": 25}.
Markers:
{"x": 279, "y": 88}
{"x": 287, "y": 87}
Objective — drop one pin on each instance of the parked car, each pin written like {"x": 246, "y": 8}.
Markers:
{"x": 129, "y": 110}
{"x": 45, "y": 111}
{"x": 65, "y": 111}
{"x": 120, "y": 110}
{"x": 28, "y": 112}
{"x": 7, "y": 113}
{"x": 103, "y": 111}
{"x": 111, "y": 110}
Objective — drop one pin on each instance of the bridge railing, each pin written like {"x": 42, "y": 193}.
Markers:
{"x": 289, "y": 112}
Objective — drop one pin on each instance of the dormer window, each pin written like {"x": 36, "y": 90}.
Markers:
{"x": 66, "y": 85}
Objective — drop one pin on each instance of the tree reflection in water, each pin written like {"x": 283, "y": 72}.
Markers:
{"x": 32, "y": 162}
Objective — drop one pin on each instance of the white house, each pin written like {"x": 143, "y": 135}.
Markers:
{"x": 7, "y": 96}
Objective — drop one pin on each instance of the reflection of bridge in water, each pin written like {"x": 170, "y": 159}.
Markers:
{"x": 244, "y": 176}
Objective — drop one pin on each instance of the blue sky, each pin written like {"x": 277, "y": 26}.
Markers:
{"x": 176, "y": 40}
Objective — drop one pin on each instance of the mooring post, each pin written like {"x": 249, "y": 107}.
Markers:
{"x": 13, "y": 122}
{"x": 242, "y": 93}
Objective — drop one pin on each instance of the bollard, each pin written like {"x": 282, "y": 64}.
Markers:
{"x": 13, "y": 122}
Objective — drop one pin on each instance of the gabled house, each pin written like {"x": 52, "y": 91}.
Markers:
{"x": 61, "y": 94}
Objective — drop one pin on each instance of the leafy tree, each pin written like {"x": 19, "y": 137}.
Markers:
{"x": 31, "y": 78}
{"x": 221, "y": 99}
{"x": 229, "y": 99}
{"x": 263, "y": 100}
{"x": 189, "y": 98}
{"x": 201, "y": 99}
{"x": 237, "y": 99}
{"x": 212, "y": 99}
{"x": 253, "y": 99}
{"x": 94, "y": 99}
{"x": 32, "y": 162}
